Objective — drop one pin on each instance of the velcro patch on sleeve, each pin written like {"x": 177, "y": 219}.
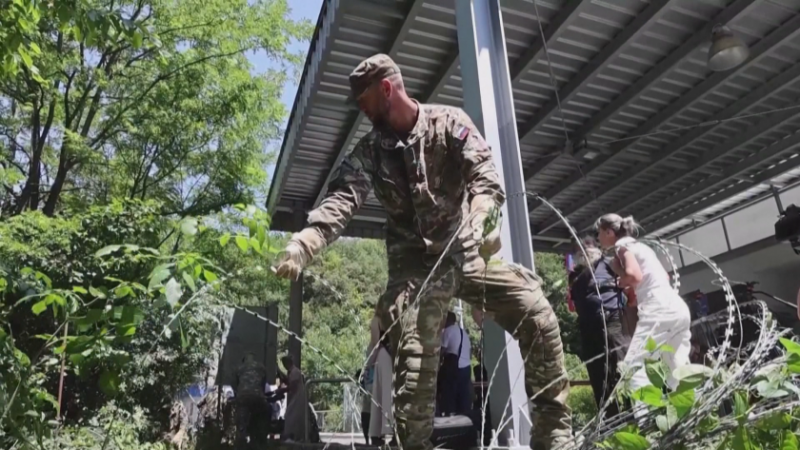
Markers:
{"x": 461, "y": 132}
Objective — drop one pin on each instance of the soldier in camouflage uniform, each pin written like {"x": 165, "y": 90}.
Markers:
{"x": 251, "y": 403}
{"x": 433, "y": 173}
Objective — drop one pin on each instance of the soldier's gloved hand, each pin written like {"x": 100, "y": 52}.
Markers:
{"x": 486, "y": 225}
{"x": 298, "y": 253}
{"x": 291, "y": 261}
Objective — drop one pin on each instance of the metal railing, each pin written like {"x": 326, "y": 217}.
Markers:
{"x": 312, "y": 382}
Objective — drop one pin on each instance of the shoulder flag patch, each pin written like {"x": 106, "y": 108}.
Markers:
{"x": 461, "y": 132}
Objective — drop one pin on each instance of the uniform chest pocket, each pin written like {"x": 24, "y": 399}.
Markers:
{"x": 386, "y": 186}
{"x": 447, "y": 179}
{"x": 440, "y": 168}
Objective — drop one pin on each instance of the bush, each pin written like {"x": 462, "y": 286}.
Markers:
{"x": 62, "y": 304}
{"x": 581, "y": 401}
{"x": 122, "y": 430}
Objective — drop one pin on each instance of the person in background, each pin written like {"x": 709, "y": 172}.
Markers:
{"x": 248, "y": 388}
{"x": 441, "y": 376}
{"x": 360, "y": 377}
{"x": 481, "y": 386}
{"x": 479, "y": 370}
{"x": 274, "y": 406}
{"x": 274, "y": 400}
{"x": 600, "y": 304}
{"x": 381, "y": 422}
{"x": 282, "y": 381}
{"x": 368, "y": 377}
{"x": 663, "y": 315}
{"x": 457, "y": 380}
{"x": 294, "y": 425}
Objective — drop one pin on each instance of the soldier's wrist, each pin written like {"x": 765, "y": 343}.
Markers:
{"x": 482, "y": 203}
{"x": 309, "y": 240}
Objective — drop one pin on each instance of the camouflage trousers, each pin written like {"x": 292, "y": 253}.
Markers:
{"x": 252, "y": 417}
{"x": 515, "y": 301}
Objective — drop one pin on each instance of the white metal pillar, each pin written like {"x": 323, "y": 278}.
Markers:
{"x": 488, "y": 100}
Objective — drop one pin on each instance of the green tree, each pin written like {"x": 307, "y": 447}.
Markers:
{"x": 550, "y": 267}
{"x": 18, "y": 23}
{"x": 148, "y": 99}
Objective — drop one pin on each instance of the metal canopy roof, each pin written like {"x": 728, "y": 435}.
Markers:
{"x": 632, "y": 87}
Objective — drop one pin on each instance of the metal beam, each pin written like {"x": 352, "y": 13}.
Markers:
{"x": 700, "y": 37}
{"x": 780, "y": 35}
{"x": 397, "y": 43}
{"x": 763, "y": 92}
{"x": 554, "y": 236}
{"x": 779, "y": 149}
{"x": 326, "y": 30}
{"x": 729, "y": 173}
{"x": 447, "y": 71}
{"x": 536, "y": 50}
{"x": 556, "y": 248}
{"x": 489, "y": 101}
{"x": 577, "y": 82}
{"x": 538, "y": 165}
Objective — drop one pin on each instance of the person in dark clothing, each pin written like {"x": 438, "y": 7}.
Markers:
{"x": 365, "y": 416}
{"x": 251, "y": 405}
{"x": 596, "y": 298}
{"x": 455, "y": 373}
{"x": 481, "y": 397}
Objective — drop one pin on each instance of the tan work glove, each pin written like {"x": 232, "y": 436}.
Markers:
{"x": 485, "y": 212}
{"x": 298, "y": 253}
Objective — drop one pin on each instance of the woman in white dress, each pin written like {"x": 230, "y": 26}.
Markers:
{"x": 663, "y": 315}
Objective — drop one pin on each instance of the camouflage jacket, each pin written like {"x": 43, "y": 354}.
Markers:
{"x": 251, "y": 378}
{"x": 425, "y": 184}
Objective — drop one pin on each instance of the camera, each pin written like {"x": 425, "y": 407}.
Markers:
{"x": 787, "y": 228}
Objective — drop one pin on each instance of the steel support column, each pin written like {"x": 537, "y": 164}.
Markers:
{"x": 296, "y": 300}
{"x": 488, "y": 100}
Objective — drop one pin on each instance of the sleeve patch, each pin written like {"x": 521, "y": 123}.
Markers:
{"x": 461, "y": 132}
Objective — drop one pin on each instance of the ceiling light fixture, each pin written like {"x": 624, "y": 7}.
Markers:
{"x": 727, "y": 51}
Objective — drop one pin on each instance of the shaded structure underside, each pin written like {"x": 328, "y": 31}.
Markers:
{"x": 615, "y": 106}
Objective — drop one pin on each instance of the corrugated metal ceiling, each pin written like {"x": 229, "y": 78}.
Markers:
{"x": 632, "y": 87}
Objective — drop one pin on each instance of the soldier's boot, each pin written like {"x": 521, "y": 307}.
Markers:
{"x": 515, "y": 301}
{"x": 416, "y": 341}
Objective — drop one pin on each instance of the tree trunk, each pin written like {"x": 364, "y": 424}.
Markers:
{"x": 58, "y": 183}
{"x": 30, "y": 193}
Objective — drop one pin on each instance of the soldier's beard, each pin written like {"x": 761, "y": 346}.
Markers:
{"x": 381, "y": 118}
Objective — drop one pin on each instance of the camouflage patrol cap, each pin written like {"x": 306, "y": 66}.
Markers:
{"x": 373, "y": 69}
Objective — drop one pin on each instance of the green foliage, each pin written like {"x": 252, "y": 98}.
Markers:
{"x": 550, "y": 268}
{"x": 776, "y": 430}
{"x": 627, "y": 439}
{"x": 123, "y": 125}
{"x": 339, "y": 306}
{"x": 147, "y": 99}
{"x": 122, "y": 428}
{"x": 582, "y": 403}
{"x": 19, "y": 20}
{"x": 22, "y": 396}
{"x": 581, "y": 398}
{"x": 117, "y": 315}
